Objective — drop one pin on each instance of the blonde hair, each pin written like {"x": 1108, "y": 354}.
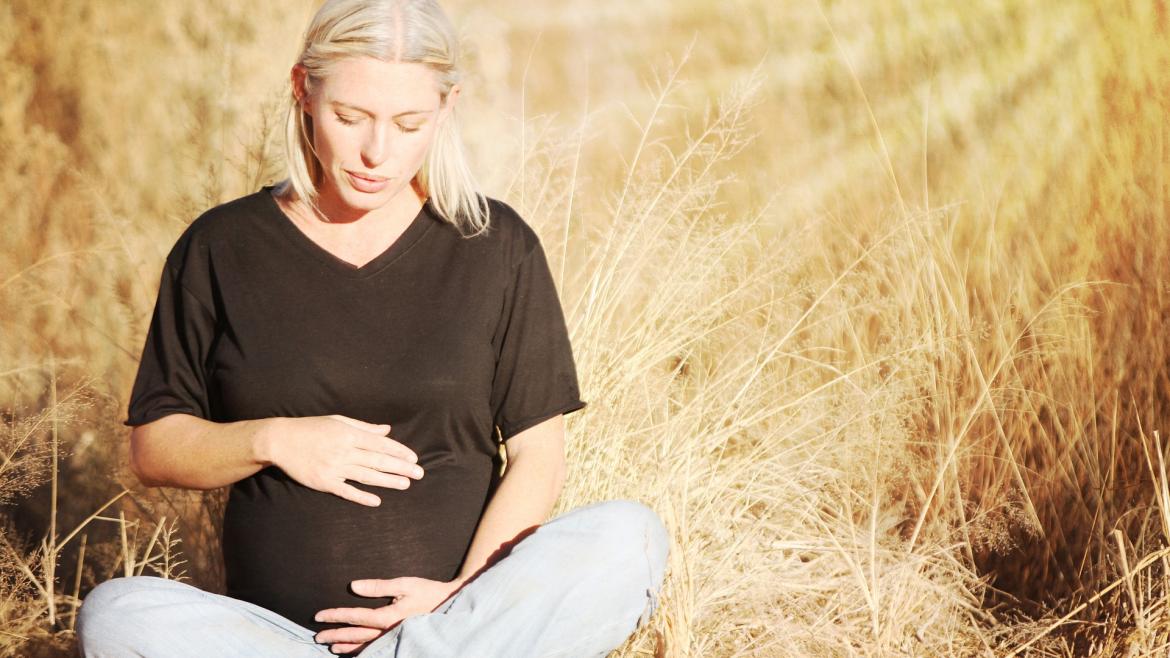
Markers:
{"x": 414, "y": 31}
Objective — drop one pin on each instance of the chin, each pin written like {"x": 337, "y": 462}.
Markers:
{"x": 365, "y": 200}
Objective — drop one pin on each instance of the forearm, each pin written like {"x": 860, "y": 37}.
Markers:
{"x": 181, "y": 450}
{"x": 525, "y": 496}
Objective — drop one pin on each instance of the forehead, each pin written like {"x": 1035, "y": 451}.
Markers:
{"x": 381, "y": 87}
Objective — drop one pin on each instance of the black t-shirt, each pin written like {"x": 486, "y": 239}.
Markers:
{"x": 443, "y": 337}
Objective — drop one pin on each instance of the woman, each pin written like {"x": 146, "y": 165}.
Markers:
{"x": 346, "y": 350}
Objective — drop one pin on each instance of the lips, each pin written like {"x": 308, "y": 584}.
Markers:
{"x": 372, "y": 179}
{"x": 363, "y": 184}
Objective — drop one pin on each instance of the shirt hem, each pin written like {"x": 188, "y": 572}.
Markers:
{"x": 513, "y": 429}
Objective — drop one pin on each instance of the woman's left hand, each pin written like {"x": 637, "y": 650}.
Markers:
{"x": 412, "y": 596}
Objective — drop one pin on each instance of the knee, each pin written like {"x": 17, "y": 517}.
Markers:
{"x": 104, "y": 611}
{"x": 104, "y": 596}
{"x": 631, "y": 531}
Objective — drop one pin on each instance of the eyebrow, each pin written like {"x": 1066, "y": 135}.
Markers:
{"x": 365, "y": 111}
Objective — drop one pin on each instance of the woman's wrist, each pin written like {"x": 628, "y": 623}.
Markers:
{"x": 262, "y": 440}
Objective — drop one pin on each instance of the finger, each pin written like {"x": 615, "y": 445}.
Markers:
{"x": 376, "y": 478}
{"x": 387, "y": 464}
{"x": 355, "y": 634}
{"x": 350, "y": 492}
{"x": 395, "y": 587}
{"x": 388, "y": 446}
{"x": 346, "y": 648}
{"x": 369, "y": 617}
{"x": 381, "y": 430}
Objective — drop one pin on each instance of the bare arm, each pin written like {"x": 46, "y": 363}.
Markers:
{"x": 320, "y": 452}
{"x": 527, "y": 492}
{"x": 181, "y": 450}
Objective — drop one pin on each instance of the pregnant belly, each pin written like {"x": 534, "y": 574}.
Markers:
{"x": 295, "y": 550}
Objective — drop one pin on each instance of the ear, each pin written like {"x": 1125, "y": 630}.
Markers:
{"x": 449, "y": 104}
{"x": 299, "y": 75}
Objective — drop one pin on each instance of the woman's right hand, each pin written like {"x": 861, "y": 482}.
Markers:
{"x": 322, "y": 452}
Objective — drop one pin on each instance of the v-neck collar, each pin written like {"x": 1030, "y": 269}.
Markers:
{"x": 415, "y": 230}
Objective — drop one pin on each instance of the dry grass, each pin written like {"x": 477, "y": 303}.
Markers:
{"x": 868, "y": 300}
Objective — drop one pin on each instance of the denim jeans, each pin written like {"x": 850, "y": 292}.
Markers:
{"x": 577, "y": 586}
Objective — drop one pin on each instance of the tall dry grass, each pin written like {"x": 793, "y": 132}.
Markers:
{"x": 867, "y": 299}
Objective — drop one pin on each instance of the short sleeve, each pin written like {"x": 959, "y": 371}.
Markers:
{"x": 171, "y": 374}
{"x": 535, "y": 377}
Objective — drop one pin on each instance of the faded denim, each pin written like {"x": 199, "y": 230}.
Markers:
{"x": 576, "y": 587}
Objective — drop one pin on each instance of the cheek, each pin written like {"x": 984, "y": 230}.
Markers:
{"x": 417, "y": 156}
{"x": 419, "y": 147}
{"x": 322, "y": 142}
{"x": 329, "y": 143}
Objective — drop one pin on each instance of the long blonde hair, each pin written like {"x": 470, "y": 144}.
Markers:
{"x": 414, "y": 31}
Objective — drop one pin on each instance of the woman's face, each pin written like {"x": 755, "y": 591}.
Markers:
{"x": 373, "y": 123}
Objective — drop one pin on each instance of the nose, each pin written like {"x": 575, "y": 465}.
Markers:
{"x": 378, "y": 146}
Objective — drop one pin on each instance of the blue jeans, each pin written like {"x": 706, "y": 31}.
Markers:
{"x": 577, "y": 586}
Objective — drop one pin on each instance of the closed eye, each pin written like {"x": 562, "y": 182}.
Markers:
{"x": 349, "y": 122}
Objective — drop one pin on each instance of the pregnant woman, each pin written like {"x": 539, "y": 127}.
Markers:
{"x": 347, "y": 349}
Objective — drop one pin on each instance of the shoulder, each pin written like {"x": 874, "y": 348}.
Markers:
{"x": 506, "y": 220}
{"x": 509, "y": 232}
{"x": 226, "y": 223}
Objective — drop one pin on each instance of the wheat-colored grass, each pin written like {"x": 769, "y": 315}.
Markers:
{"x": 868, "y": 299}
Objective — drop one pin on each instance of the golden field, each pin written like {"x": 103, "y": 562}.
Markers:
{"x": 869, "y": 300}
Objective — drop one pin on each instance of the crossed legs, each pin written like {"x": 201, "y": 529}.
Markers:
{"x": 577, "y": 586}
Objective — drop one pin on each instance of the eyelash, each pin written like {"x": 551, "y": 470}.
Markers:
{"x": 347, "y": 122}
